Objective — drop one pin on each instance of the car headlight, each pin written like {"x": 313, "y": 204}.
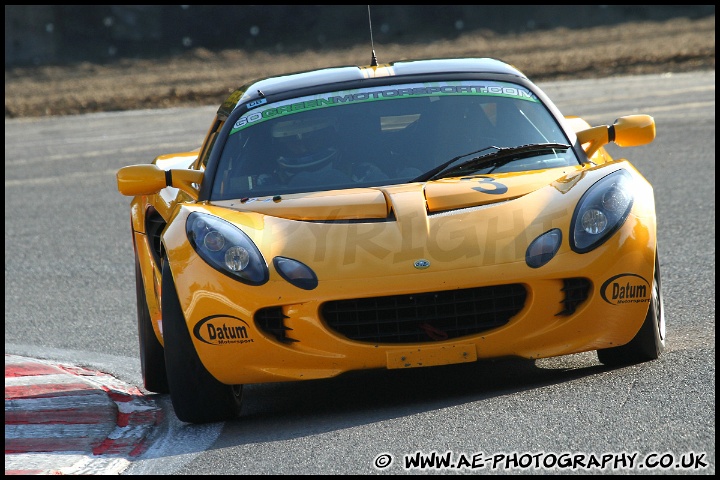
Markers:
{"x": 226, "y": 248}
{"x": 601, "y": 211}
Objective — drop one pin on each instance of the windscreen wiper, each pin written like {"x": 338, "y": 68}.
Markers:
{"x": 504, "y": 154}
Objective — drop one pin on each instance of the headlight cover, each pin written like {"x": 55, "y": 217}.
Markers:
{"x": 296, "y": 272}
{"x": 601, "y": 211}
{"x": 226, "y": 248}
{"x": 543, "y": 248}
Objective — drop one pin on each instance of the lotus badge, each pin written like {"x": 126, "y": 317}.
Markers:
{"x": 421, "y": 264}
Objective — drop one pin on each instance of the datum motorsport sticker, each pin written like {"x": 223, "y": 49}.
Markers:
{"x": 222, "y": 330}
{"x": 625, "y": 288}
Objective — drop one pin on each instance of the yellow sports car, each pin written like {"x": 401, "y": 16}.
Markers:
{"x": 400, "y": 215}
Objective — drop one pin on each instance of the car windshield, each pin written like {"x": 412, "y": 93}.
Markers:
{"x": 382, "y": 136}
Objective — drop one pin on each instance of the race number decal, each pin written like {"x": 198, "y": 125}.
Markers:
{"x": 491, "y": 186}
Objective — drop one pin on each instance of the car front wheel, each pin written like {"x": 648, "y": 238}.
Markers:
{"x": 196, "y": 395}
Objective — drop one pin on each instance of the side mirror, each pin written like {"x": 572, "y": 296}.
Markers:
{"x": 628, "y": 131}
{"x": 150, "y": 179}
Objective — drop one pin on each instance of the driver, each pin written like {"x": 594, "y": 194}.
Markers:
{"x": 308, "y": 156}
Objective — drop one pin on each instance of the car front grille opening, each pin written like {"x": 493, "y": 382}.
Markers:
{"x": 576, "y": 292}
{"x": 271, "y": 320}
{"x": 425, "y": 317}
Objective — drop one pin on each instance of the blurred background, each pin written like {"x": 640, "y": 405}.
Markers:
{"x": 37, "y": 35}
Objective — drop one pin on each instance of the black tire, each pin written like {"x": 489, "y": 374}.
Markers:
{"x": 649, "y": 342}
{"x": 197, "y": 396}
{"x": 152, "y": 353}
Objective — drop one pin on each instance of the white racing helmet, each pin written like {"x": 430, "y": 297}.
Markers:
{"x": 305, "y": 144}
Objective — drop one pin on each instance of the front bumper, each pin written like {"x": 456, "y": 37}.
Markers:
{"x": 239, "y": 342}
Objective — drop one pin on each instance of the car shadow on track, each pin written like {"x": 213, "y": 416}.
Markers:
{"x": 280, "y": 411}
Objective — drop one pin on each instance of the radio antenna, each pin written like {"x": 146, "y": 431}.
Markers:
{"x": 373, "y": 60}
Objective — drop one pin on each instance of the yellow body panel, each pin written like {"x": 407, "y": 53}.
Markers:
{"x": 469, "y": 237}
